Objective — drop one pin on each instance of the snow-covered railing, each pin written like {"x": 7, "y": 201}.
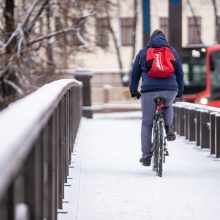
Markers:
{"x": 37, "y": 138}
{"x": 199, "y": 123}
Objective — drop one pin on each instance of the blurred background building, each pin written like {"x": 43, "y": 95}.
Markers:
{"x": 45, "y": 40}
{"x": 200, "y": 25}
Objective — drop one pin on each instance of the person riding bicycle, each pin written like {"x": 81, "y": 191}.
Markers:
{"x": 152, "y": 87}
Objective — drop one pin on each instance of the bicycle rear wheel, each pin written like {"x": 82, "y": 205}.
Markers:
{"x": 155, "y": 147}
{"x": 160, "y": 149}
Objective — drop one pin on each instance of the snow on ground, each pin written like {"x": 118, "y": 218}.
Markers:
{"x": 108, "y": 183}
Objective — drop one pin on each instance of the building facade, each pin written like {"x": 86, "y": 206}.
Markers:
{"x": 200, "y": 24}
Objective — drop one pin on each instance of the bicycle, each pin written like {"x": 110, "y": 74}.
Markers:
{"x": 159, "y": 149}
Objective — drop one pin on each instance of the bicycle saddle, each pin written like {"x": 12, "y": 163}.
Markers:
{"x": 160, "y": 99}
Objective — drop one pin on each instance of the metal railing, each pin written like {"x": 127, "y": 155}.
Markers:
{"x": 200, "y": 124}
{"x": 38, "y": 134}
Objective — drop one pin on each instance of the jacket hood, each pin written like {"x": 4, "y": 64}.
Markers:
{"x": 157, "y": 41}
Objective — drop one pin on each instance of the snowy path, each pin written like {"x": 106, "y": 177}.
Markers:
{"x": 108, "y": 183}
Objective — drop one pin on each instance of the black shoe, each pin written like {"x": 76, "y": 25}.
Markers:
{"x": 170, "y": 133}
{"x": 146, "y": 161}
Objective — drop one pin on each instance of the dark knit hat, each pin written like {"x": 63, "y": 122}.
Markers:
{"x": 158, "y": 32}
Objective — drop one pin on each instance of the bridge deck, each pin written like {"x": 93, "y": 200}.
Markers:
{"x": 107, "y": 182}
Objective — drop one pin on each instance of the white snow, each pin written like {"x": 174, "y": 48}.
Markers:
{"x": 108, "y": 183}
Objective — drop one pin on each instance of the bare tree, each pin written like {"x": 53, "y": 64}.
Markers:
{"x": 195, "y": 20}
{"x": 216, "y": 19}
{"x": 9, "y": 20}
{"x": 40, "y": 37}
{"x": 135, "y": 4}
{"x": 115, "y": 40}
{"x": 109, "y": 6}
{"x": 27, "y": 58}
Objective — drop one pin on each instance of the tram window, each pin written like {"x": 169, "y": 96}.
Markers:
{"x": 185, "y": 67}
{"x": 194, "y": 74}
{"x": 199, "y": 74}
{"x": 215, "y": 71}
{"x": 212, "y": 65}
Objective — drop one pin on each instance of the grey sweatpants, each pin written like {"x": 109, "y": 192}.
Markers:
{"x": 148, "y": 107}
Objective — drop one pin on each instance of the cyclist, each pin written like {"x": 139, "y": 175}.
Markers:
{"x": 170, "y": 88}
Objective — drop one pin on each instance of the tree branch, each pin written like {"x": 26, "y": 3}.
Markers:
{"x": 83, "y": 18}
{"x": 29, "y": 12}
{"x": 14, "y": 86}
{"x": 37, "y": 15}
{"x": 14, "y": 34}
{"x": 67, "y": 30}
{"x": 20, "y": 26}
{"x": 216, "y": 18}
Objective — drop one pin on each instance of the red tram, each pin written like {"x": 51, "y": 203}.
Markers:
{"x": 201, "y": 66}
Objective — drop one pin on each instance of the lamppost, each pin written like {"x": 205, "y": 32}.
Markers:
{"x": 175, "y": 24}
{"x": 146, "y": 21}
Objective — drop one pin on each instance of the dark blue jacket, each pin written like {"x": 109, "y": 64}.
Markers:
{"x": 149, "y": 84}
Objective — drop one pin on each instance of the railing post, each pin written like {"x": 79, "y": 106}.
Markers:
{"x": 212, "y": 132}
{"x": 186, "y": 122}
{"x": 191, "y": 124}
{"x": 175, "y": 109}
{"x": 181, "y": 121}
{"x": 197, "y": 123}
{"x": 204, "y": 129}
{"x": 85, "y": 76}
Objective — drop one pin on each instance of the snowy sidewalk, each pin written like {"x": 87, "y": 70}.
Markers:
{"x": 107, "y": 182}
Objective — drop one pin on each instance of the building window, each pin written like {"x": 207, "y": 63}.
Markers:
{"x": 102, "y": 32}
{"x": 126, "y": 31}
{"x": 164, "y": 25}
{"x": 194, "y": 24}
{"x": 218, "y": 30}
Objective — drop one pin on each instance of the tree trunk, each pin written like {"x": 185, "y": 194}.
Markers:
{"x": 10, "y": 49}
{"x": 9, "y": 22}
{"x": 195, "y": 20}
{"x": 134, "y": 31}
{"x": 118, "y": 52}
{"x": 65, "y": 41}
{"x": 50, "y": 60}
{"x": 216, "y": 20}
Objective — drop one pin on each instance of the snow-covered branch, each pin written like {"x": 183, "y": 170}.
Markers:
{"x": 48, "y": 36}
{"x": 4, "y": 46}
{"x": 33, "y": 22}
{"x": 30, "y": 11}
{"x": 83, "y": 18}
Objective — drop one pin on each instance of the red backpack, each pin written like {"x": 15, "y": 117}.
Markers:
{"x": 160, "y": 62}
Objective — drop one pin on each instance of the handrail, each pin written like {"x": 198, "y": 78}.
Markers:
{"x": 199, "y": 106}
{"x": 198, "y": 123}
{"x": 43, "y": 123}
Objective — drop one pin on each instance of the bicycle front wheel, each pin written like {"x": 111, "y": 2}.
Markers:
{"x": 160, "y": 149}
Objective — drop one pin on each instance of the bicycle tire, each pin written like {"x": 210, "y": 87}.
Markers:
{"x": 155, "y": 147}
{"x": 155, "y": 159}
{"x": 160, "y": 149}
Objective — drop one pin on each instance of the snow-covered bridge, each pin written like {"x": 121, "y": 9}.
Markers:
{"x": 97, "y": 176}
{"x": 108, "y": 182}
